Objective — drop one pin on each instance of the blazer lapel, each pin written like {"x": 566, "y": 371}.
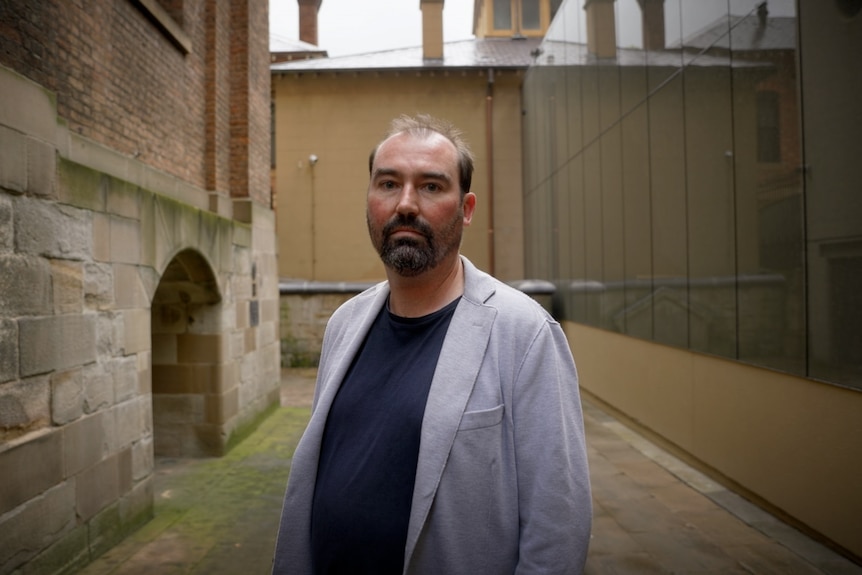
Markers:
{"x": 460, "y": 359}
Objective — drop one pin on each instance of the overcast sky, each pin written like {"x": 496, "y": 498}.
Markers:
{"x": 355, "y": 27}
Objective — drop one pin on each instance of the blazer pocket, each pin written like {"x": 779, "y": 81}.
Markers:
{"x": 481, "y": 418}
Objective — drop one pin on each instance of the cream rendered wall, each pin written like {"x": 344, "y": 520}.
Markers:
{"x": 790, "y": 441}
{"x": 339, "y": 118}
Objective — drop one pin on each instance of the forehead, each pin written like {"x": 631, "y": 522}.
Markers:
{"x": 405, "y": 150}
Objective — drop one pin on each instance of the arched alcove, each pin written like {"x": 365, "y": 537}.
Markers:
{"x": 189, "y": 361}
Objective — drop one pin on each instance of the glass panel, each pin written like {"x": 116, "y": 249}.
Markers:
{"x": 530, "y": 15}
{"x": 709, "y": 163}
{"x": 833, "y": 202}
{"x": 502, "y": 14}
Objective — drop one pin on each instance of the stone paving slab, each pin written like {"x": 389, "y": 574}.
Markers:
{"x": 653, "y": 513}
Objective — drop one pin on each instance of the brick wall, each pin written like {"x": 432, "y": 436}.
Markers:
{"x": 123, "y": 81}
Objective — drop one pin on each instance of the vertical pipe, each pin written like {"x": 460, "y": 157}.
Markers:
{"x": 489, "y": 139}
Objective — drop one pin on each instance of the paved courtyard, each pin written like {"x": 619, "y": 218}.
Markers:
{"x": 653, "y": 513}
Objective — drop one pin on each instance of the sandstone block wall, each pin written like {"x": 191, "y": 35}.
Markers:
{"x": 131, "y": 317}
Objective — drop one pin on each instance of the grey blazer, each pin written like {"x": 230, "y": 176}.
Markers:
{"x": 502, "y": 484}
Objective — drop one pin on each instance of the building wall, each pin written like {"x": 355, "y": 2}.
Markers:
{"x": 138, "y": 288}
{"x": 339, "y": 118}
{"x": 709, "y": 293}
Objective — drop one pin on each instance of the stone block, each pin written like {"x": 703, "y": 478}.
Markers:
{"x": 136, "y": 330}
{"x": 124, "y": 199}
{"x": 250, "y": 337}
{"x": 98, "y": 285}
{"x": 143, "y": 461}
{"x": 109, "y": 335}
{"x": 178, "y": 378}
{"x": 169, "y": 318}
{"x": 25, "y": 283}
{"x": 176, "y": 410}
{"x": 30, "y": 469}
{"x": 83, "y": 444}
{"x": 101, "y": 237}
{"x": 53, "y": 230}
{"x": 58, "y": 342}
{"x": 24, "y": 406}
{"x": 8, "y": 352}
{"x": 242, "y": 314}
{"x": 68, "y": 286}
{"x": 200, "y": 348}
{"x": 145, "y": 373}
{"x": 98, "y": 388}
{"x": 105, "y": 529}
{"x": 67, "y": 396}
{"x": 222, "y": 407}
{"x": 136, "y": 507}
{"x": 7, "y": 235}
{"x": 41, "y": 168}
{"x": 97, "y": 487}
{"x": 13, "y": 160}
{"x": 125, "y": 240}
{"x": 131, "y": 421}
{"x": 36, "y": 525}
{"x": 129, "y": 291}
{"x": 125, "y": 371}
{"x": 68, "y": 555}
{"x": 81, "y": 186}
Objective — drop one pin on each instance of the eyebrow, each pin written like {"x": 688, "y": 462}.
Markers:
{"x": 425, "y": 175}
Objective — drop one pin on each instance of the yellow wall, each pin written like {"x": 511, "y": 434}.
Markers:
{"x": 777, "y": 435}
{"x": 339, "y": 118}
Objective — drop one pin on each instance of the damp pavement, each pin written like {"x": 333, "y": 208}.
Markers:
{"x": 652, "y": 512}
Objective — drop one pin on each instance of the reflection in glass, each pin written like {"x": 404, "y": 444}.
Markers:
{"x": 530, "y": 15}
{"x": 502, "y": 15}
{"x": 664, "y": 171}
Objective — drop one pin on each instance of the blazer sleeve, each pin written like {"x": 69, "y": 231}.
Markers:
{"x": 555, "y": 506}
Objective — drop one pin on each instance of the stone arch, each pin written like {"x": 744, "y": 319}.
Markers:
{"x": 189, "y": 359}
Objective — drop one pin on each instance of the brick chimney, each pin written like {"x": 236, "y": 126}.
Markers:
{"x": 601, "y": 28}
{"x": 432, "y": 29}
{"x": 308, "y": 20}
{"x": 652, "y": 24}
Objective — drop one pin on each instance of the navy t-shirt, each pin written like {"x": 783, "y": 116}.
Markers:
{"x": 370, "y": 448}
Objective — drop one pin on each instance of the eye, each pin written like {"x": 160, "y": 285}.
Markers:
{"x": 432, "y": 187}
{"x": 388, "y": 185}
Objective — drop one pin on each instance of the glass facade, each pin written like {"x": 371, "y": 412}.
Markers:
{"x": 671, "y": 179}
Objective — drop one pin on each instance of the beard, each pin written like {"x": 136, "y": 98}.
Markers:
{"x": 410, "y": 257}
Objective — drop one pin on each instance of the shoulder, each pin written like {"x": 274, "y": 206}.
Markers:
{"x": 510, "y": 304}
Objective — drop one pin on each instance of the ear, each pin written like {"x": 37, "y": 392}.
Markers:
{"x": 468, "y": 204}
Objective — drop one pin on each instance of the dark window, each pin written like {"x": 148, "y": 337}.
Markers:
{"x": 530, "y": 15}
{"x": 502, "y": 14}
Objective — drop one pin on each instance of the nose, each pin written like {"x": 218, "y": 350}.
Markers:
{"x": 408, "y": 201}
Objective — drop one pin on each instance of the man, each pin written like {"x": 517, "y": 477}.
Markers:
{"x": 446, "y": 435}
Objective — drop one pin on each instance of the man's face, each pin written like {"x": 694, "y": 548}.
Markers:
{"x": 415, "y": 210}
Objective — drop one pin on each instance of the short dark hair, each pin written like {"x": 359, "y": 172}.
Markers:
{"x": 423, "y": 125}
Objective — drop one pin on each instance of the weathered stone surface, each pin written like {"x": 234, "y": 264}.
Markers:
{"x": 129, "y": 292}
{"x": 53, "y": 230}
{"x": 82, "y": 186}
{"x": 142, "y": 459}
{"x": 13, "y": 160}
{"x": 68, "y": 286}
{"x": 83, "y": 444}
{"x": 25, "y": 285}
{"x": 97, "y": 487}
{"x": 29, "y": 469}
{"x": 136, "y": 330}
{"x": 98, "y": 388}
{"x": 101, "y": 237}
{"x": 69, "y": 554}
{"x": 67, "y": 396}
{"x": 36, "y": 525}
{"x": 125, "y": 370}
{"x": 7, "y": 235}
{"x": 98, "y": 285}
{"x": 8, "y": 350}
{"x": 41, "y": 168}
{"x": 24, "y": 406}
{"x": 125, "y": 240}
{"x": 58, "y": 342}
{"x": 109, "y": 335}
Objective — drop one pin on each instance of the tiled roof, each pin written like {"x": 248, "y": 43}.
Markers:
{"x": 474, "y": 53}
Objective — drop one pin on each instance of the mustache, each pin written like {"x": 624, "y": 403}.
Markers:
{"x": 402, "y": 222}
